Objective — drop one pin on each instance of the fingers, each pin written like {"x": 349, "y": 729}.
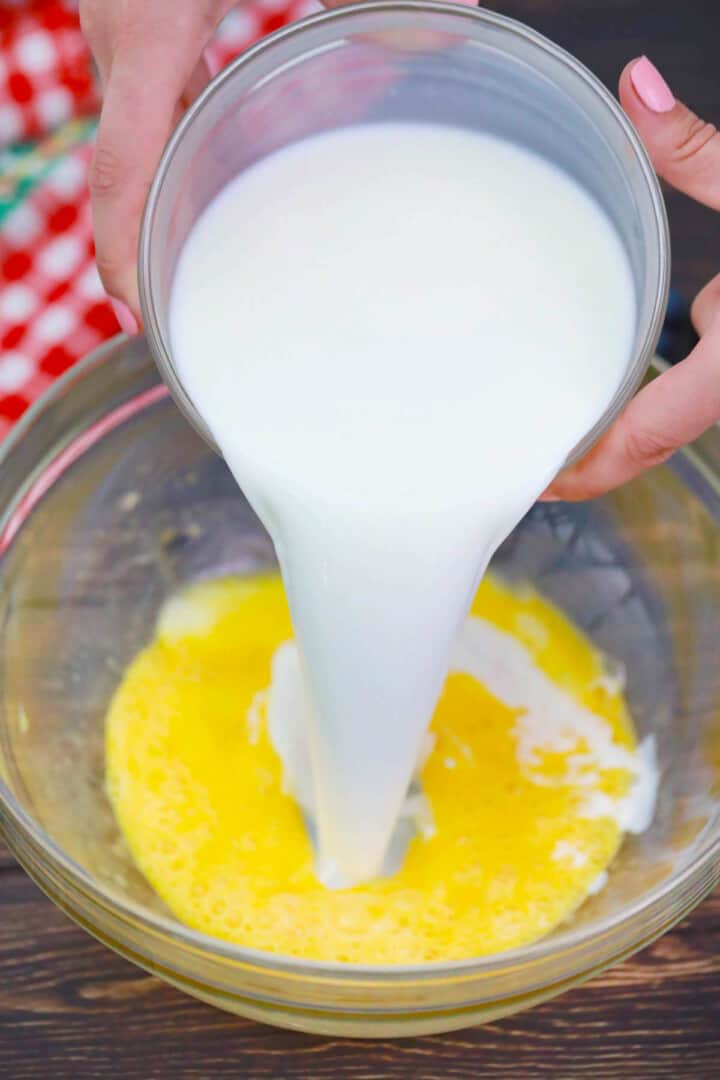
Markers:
{"x": 136, "y": 121}
{"x": 671, "y": 411}
{"x": 684, "y": 149}
{"x": 197, "y": 82}
{"x": 680, "y": 405}
{"x": 154, "y": 62}
{"x": 98, "y": 24}
{"x": 706, "y": 306}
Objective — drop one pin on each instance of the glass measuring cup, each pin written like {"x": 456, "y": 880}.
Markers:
{"x": 418, "y": 62}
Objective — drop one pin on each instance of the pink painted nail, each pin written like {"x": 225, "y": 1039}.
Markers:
{"x": 123, "y": 314}
{"x": 650, "y": 86}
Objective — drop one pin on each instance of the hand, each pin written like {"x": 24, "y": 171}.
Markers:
{"x": 149, "y": 55}
{"x": 150, "y": 61}
{"x": 151, "y": 67}
{"x": 682, "y": 403}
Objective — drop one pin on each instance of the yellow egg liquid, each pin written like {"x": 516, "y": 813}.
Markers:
{"x": 197, "y": 789}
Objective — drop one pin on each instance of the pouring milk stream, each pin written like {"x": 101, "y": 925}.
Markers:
{"x": 396, "y": 334}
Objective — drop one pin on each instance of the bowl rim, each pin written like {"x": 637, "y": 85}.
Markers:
{"x": 153, "y": 324}
{"x": 105, "y": 896}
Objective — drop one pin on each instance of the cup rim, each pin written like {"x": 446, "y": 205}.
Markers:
{"x": 157, "y": 339}
{"x": 701, "y": 873}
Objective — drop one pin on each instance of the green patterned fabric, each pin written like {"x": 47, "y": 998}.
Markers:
{"x": 25, "y": 165}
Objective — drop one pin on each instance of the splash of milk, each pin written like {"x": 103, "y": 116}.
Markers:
{"x": 396, "y": 334}
{"x": 549, "y": 720}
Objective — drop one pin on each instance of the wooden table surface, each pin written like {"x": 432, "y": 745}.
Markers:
{"x": 71, "y": 1009}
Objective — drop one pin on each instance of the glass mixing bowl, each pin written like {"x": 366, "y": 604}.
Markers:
{"x": 108, "y": 502}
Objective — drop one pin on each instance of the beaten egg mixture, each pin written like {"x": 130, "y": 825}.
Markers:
{"x": 511, "y": 846}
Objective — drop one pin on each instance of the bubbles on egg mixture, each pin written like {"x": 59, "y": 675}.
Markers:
{"x": 517, "y": 810}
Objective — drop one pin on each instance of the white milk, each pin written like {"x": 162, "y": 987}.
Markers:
{"x": 548, "y": 719}
{"x": 396, "y": 334}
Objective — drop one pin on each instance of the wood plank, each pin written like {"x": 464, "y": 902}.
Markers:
{"x": 69, "y": 1008}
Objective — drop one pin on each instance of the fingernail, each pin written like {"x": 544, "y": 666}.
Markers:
{"x": 650, "y": 86}
{"x": 123, "y": 314}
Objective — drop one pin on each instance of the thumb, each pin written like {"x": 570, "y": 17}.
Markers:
{"x": 156, "y": 68}
{"x": 684, "y": 149}
{"x": 671, "y": 411}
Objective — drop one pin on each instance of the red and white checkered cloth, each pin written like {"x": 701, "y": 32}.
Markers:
{"x": 45, "y": 72}
{"x": 53, "y": 309}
